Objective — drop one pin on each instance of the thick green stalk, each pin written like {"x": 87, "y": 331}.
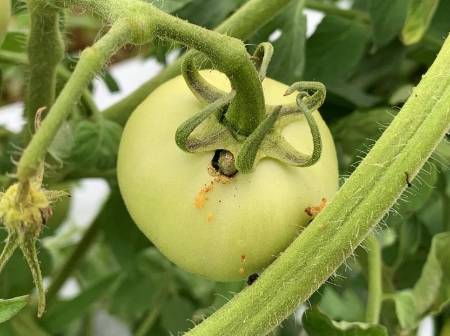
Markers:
{"x": 357, "y": 208}
{"x": 91, "y": 61}
{"x": 242, "y": 24}
{"x": 45, "y": 51}
{"x": 227, "y": 53}
{"x": 375, "y": 290}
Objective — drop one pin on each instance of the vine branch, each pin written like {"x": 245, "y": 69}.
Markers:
{"x": 45, "y": 51}
{"x": 227, "y": 53}
{"x": 242, "y": 24}
{"x": 17, "y": 58}
{"x": 91, "y": 61}
{"x": 357, "y": 208}
{"x": 375, "y": 290}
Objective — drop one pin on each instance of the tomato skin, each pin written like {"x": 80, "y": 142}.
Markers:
{"x": 5, "y": 14}
{"x": 243, "y": 224}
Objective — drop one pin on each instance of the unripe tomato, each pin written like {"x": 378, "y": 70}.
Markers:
{"x": 5, "y": 13}
{"x": 221, "y": 228}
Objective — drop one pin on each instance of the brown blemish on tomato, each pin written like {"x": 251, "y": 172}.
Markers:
{"x": 218, "y": 177}
{"x": 313, "y": 211}
{"x": 210, "y": 217}
{"x": 201, "y": 197}
{"x": 242, "y": 269}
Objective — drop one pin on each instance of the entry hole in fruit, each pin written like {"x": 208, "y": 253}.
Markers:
{"x": 223, "y": 163}
{"x": 252, "y": 278}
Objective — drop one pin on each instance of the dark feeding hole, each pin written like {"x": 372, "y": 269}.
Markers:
{"x": 223, "y": 162}
{"x": 252, "y": 278}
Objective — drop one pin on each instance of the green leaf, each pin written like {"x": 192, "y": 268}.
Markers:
{"x": 208, "y": 13}
{"x": 440, "y": 25}
{"x": 10, "y": 307}
{"x": 170, "y": 6}
{"x": 288, "y": 62}
{"x": 405, "y": 310}
{"x": 141, "y": 284}
{"x": 432, "y": 290}
{"x": 352, "y": 94}
{"x": 63, "y": 142}
{"x": 387, "y": 17}
{"x": 96, "y": 144}
{"x": 346, "y": 306}
{"x": 355, "y": 133}
{"x": 64, "y": 312}
{"x": 318, "y": 324}
{"x": 121, "y": 234}
{"x": 420, "y": 13}
{"x": 335, "y": 49}
{"x": 176, "y": 314}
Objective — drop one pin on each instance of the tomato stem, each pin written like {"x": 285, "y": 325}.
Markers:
{"x": 375, "y": 290}
{"x": 347, "y": 221}
{"x": 242, "y": 24}
{"x": 45, "y": 51}
{"x": 91, "y": 61}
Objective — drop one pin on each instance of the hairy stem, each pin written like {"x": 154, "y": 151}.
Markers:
{"x": 375, "y": 290}
{"x": 357, "y": 208}
{"x": 62, "y": 73}
{"x": 91, "y": 61}
{"x": 242, "y": 24}
{"x": 227, "y": 53}
{"x": 45, "y": 51}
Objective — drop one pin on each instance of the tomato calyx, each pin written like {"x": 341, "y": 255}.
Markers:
{"x": 25, "y": 208}
{"x": 213, "y": 129}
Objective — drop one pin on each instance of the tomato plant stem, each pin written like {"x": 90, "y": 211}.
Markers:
{"x": 242, "y": 24}
{"x": 375, "y": 291}
{"x": 358, "y": 207}
{"x": 17, "y": 58}
{"x": 45, "y": 51}
{"x": 226, "y": 53}
{"x": 91, "y": 61}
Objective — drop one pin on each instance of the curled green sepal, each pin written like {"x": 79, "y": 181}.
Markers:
{"x": 276, "y": 146}
{"x": 24, "y": 209}
{"x": 27, "y": 244}
{"x": 200, "y": 87}
{"x": 12, "y": 242}
{"x": 261, "y": 57}
{"x": 312, "y": 93}
{"x": 210, "y": 135}
{"x": 249, "y": 150}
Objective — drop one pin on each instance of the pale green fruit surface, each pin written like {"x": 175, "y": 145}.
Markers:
{"x": 239, "y": 227}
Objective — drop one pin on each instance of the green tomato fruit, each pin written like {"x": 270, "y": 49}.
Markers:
{"x": 221, "y": 228}
{"x": 5, "y": 13}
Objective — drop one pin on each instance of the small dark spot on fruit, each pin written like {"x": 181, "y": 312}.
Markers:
{"x": 408, "y": 182}
{"x": 252, "y": 278}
